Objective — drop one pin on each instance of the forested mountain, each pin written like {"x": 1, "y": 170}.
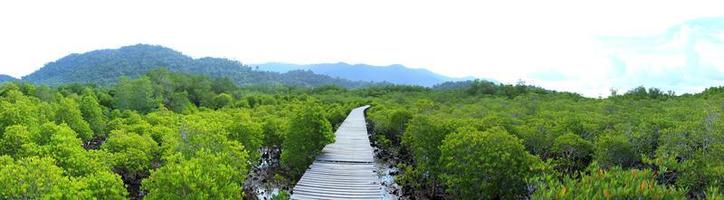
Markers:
{"x": 5, "y": 78}
{"x": 396, "y": 74}
{"x": 107, "y": 65}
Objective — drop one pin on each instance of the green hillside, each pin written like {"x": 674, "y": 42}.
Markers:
{"x": 104, "y": 67}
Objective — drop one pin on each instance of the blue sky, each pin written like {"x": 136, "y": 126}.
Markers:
{"x": 582, "y": 46}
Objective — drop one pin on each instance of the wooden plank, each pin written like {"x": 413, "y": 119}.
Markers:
{"x": 345, "y": 169}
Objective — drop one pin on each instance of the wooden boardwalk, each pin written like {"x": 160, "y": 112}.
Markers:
{"x": 345, "y": 169}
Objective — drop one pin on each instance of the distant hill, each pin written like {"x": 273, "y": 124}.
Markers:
{"x": 454, "y": 85}
{"x": 397, "y": 74}
{"x": 6, "y": 78}
{"x": 107, "y": 65}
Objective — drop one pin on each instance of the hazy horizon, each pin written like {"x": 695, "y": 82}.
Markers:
{"x": 583, "y": 47}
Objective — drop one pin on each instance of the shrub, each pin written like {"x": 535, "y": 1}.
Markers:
{"x": 485, "y": 165}
{"x": 69, "y": 113}
{"x": 573, "y": 153}
{"x": 132, "y": 153}
{"x": 207, "y": 175}
{"x": 614, "y": 149}
{"x": 423, "y": 138}
{"x": 309, "y": 131}
{"x": 222, "y": 100}
{"x": 105, "y": 185}
{"x": 614, "y": 183}
{"x": 399, "y": 120}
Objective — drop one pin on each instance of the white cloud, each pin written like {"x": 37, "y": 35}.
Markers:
{"x": 503, "y": 40}
{"x": 683, "y": 59}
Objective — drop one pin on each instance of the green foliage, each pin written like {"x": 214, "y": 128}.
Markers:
{"x": 223, "y": 84}
{"x": 249, "y": 133}
{"x": 69, "y": 113}
{"x": 200, "y": 135}
{"x": 282, "y": 195}
{"x": 129, "y": 121}
{"x": 19, "y": 109}
{"x": 409, "y": 176}
{"x": 179, "y": 102}
{"x": 34, "y": 178}
{"x": 573, "y": 153}
{"x": 207, "y": 175}
{"x": 17, "y": 142}
{"x": 64, "y": 146}
{"x": 39, "y": 178}
{"x": 378, "y": 91}
{"x": 652, "y": 93}
{"x": 679, "y": 133}
{"x": 714, "y": 193}
{"x": 134, "y": 95}
{"x": 389, "y": 126}
{"x": 695, "y": 155}
{"x": 222, "y": 100}
{"x": 483, "y": 87}
{"x": 614, "y": 149}
{"x": 274, "y": 131}
{"x": 485, "y": 165}
{"x": 92, "y": 112}
{"x": 398, "y": 121}
{"x": 309, "y": 131}
{"x": 132, "y": 153}
{"x": 232, "y": 124}
{"x": 138, "y": 133}
{"x": 423, "y": 136}
{"x": 104, "y": 185}
{"x": 336, "y": 114}
{"x": 207, "y": 163}
{"x": 614, "y": 183}
{"x": 252, "y": 101}
{"x": 382, "y": 141}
